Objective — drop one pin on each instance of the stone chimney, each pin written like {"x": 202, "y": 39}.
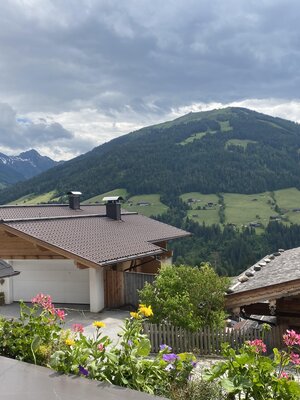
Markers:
{"x": 113, "y": 207}
{"x": 74, "y": 200}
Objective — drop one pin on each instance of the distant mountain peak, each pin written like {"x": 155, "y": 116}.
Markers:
{"x": 23, "y": 166}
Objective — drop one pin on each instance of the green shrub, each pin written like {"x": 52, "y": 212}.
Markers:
{"x": 198, "y": 389}
{"x": 37, "y": 337}
{"x": 33, "y": 337}
{"x": 126, "y": 364}
{"x": 248, "y": 374}
{"x": 188, "y": 297}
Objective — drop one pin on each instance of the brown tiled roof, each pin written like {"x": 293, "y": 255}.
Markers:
{"x": 95, "y": 238}
{"x": 44, "y": 211}
{"x": 280, "y": 267}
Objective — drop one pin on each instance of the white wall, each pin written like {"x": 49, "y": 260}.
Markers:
{"x": 96, "y": 289}
{"x": 61, "y": 279}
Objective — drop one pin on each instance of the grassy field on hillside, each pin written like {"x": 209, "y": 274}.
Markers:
{"x": 238, "y": 142}
{"x": 225, "y": 126}
{"x": 196, "y": 136}
{"x": 289, "y": 200}
{"x": 242, "y": 209}
{"x": 146, "y": 204}
{"x": 31, "y": 199}
{"x": 209, "y": 215}
{"x": 98, "y": 199}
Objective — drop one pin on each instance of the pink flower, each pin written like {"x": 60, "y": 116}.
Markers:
{"x": 44, "y": 301}
{"x": 258, "y": 346}
{"x": 100, "y": 347}
{"x": 284, "y": 375}
{"x": 295, "y": 358}
{"x": 61, "y": 314}
{"x": 291, "y": 338}
{"x": 77, "y": 328}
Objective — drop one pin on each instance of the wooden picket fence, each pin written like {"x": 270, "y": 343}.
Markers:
{"x": 208, "y": 341}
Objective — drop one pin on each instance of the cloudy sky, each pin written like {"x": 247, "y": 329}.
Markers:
{"x": 77, "y": 73}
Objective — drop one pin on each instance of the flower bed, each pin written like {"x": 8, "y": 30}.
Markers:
{"x": 38, "y": 337}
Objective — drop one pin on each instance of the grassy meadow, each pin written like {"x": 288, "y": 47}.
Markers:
{"x": 240, "y": 209}
{"x": 243, "y": 209}
{"x": 98, "y": 199}
{"x": 153, "y": 205}
{"x": 32, "y": 199}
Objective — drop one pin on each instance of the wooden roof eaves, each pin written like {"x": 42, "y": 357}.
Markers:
{"x": 49, "y": 246}
{"x": 75, "y": 257}
{"x": 271, "y": 292}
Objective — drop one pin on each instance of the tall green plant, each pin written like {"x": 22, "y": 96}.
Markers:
{"x": 189, "y": 297}
{"x": 34, "y": 335}
{"x": 248, "y": 374}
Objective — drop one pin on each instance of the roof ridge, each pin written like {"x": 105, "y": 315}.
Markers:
{"x": 47, "y": 205}
{"x": 41, "y": 218}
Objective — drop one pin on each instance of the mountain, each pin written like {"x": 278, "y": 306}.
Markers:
{"x": 226, "y": 150}
{"x": 24, "y": 166}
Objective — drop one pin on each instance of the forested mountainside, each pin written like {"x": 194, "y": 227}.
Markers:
{"x": 24, "y": 166}
{"x": 228, "y": 150}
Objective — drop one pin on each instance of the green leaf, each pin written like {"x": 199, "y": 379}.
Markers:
{"x": 35, "y": 342}
{"x": 228, "y": 385}
{"x": 144, "y": 348}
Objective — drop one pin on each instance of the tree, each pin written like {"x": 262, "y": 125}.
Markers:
{"x": 189, "y": 297}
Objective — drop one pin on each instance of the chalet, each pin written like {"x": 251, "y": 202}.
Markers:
{"x": 271, "y": 287}
{"x": 143, "y": 203}
{"x": 255, "y": 224}
{"x": 78, "y": 253}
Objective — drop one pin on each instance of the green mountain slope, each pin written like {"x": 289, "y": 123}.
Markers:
{"x": 233, "y": 150}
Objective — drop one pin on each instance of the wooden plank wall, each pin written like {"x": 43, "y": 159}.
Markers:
{"x": 114, "y": 288}
{"x": 133, "y": 282}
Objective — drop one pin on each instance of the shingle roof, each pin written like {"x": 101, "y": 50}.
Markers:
{"x": 95, "y": 238}
{"x": 6, "y": 270}
{"x": 44, "y": 211}
{"x": 280, "y": 267}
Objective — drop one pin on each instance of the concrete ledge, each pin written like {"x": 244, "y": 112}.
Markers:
{"x": 19, "y": 380}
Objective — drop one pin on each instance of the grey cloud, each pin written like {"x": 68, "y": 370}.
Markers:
{"x": 177, "y": 52}
{"x": 146, "y": 57}
{"x": 24, "y": 134}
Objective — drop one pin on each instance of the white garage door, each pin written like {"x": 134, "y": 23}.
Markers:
{"x": 61, "y": 279}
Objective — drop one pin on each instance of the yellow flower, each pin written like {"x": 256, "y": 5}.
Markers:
{"x": 135, "y": 315}
{"x": 70, "y": 342}
{"x": 99, "y": 324}
{"x": 147, "y": 311}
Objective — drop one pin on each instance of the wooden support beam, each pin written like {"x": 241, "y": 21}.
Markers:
{"x": 273, "y": 292}
{"x": 81, "y": 266}
{"x": 9, "y": 234}
{"x": 257, "y": 309}
{"x": 27, "y": 248}
{"x": 41, "y": 248}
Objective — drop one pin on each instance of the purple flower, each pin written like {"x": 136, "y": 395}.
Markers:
{"x": 194, "y": 364}
{"x": 169, "y": 357}
{"x": 83, "y": 371}
{"x": 129, "y": 343}
{"x": 165, "y": 347}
